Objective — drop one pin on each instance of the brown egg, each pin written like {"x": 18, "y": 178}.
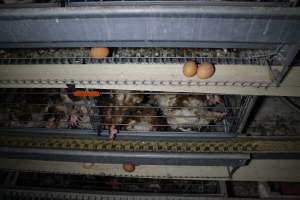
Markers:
{"x": 128, "y": 167}
{"x": 99, "y": 52}
{"x": 205, "y": 70}
{"x": 189, "y": 69}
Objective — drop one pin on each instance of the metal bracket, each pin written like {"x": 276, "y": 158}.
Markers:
{"x": 286, "y": 55}
{"x": 11, "y": 179}
{"x": 244, "y": 116}
{"x": 231, "y": 170}
{"x": 94, "y": 119}
{"x": 293, "y": 3}
{"x": 71, "y": 87}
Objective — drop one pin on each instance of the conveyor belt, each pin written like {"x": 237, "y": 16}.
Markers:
{"x": 39, "y": 195}
{"x": 227, "y": 153}
{"x": 239, "y": 145}
{"x": 137, "y": 60}
{"x": 92, "y": 155}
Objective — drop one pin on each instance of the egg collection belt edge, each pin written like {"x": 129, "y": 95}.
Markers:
{"x": 238, "y": 145}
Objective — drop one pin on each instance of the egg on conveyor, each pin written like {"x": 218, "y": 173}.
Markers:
{"x": 99, "y": 52}
{"x": 190, "y": 69}
{"x": 127, "y": 167}
{"x": 205, "y": 70}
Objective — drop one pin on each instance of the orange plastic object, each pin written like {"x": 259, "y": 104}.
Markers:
{"x": 82, "y": 93}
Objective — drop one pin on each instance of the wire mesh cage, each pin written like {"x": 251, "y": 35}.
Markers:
{"x": 120, "y": 184}
{"x": 135, "y": 55}
{"x": 119, "y": 112}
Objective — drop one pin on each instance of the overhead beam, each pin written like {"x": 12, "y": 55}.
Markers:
{"x": 160, "y": 24}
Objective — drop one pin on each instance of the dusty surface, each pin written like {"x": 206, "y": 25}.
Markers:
{"x": 242, "y": 189}
{"x": 275, "y": 117}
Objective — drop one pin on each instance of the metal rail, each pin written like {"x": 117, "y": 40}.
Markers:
{"x": 123, "y": 135}
{"x": 154, "y": 155}
{"x": 133, "y": 24}
{"x": 239, "y": 145}
{"x": 210, "y": 152}
{"x": 233, "y": 160}
{"x": 39, "y": 194}
{"x": 135, "y": 60}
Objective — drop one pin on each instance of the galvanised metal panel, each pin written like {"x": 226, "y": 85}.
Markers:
{"x": 234, "y": 160}
{"x": 140, "y": 25}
